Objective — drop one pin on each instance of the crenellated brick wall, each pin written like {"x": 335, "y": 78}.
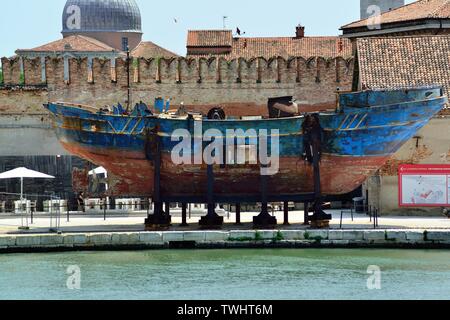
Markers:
{"x": 242, "y": 86}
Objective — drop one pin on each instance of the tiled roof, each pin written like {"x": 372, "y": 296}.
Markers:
{"x": 286, "y": 47}
{"x": 404, "y": 62}
{"x": 247, "y": 48}
{"x": 210, "y": 38}
{"x": 148, "y": 50}
{"x": 73, "y": 43}
{"x": 422, "y": 9}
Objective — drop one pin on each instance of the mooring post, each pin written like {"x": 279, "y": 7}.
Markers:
{"x": 212, "y": 219}
{"x": 159, "y": 220}
{"x": 286, "y": 213}
{"x": 184, "y": 215}
{"x": 238, "y": 214}
{"x": 264, "y": 219}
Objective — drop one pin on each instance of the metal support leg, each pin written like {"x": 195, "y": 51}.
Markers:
{"x": 264, "y": 220}
{"x": 159, "y": 219}
{"x": 320, "y": 218}
{"x": 212, "y": 219}
{"x": 167, "y": 208}
{"x": 286, "y": 214}
{"x": 238, "y": 214}
{"x": 306, "y": 214}
{"x": 184, "y": 215}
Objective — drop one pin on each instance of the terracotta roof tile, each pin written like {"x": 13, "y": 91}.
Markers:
{"x": 210, "y": 38}
{"x": 148, "y": 50}
{"x": 422, "y": 9}
{"x": 75, "y": 43}
{"x": 286, "y": 47}
{"x": 404, "y": 62}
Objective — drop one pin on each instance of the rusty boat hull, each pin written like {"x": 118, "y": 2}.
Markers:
{"x": 358, "y": 139}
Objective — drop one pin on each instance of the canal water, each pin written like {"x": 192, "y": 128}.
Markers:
{"x": 227, "y": 274}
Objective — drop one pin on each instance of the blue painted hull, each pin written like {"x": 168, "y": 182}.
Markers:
{"x": 367, "y": 129}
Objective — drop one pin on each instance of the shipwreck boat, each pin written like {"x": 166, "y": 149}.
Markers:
{"x": 355, "y": 140}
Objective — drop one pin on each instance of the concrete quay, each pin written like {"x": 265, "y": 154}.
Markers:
{"x": 410, "y": 239}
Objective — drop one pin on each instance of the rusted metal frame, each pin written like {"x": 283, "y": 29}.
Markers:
{"x": 319, "y": 214}
{"x": 159, "y": 219}
{"x": 306, "y": 214}
{"x": 343, "y": 122}
{"x": 353, "y": 120}
{"x": 286, "y": 213}
{"x": 126, "y": 125}
{"x": 212, "y": 219}
{"x": 264, "y": 219}
{"x": 238, "y": 214}
{"x": 198, "y": 199}
{"x": 184, "y": 215}
{"x": 135, "y": 126}
{"x": 362, "y": 120}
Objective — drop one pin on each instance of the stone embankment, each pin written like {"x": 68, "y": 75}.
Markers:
{"x": 438, "y": 239}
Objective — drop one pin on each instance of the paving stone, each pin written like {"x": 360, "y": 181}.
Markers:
{"x": 7, "y": 241}
{"x": 317, "y": 234}
{"x": 293, "y": 234}
{"x": 173, "y": 236}
{"x": 100, "y": 239}
{"x": 353, "y": 235}
{"x": 125, "y": 238}
{"x": 335, "y": 235}
{"x": 216, "y": 236}
{"x": 266, "y": 234}
{"x": 51, "y": 240}
{"x": 375, "y": 235}
{"x": 151, "y": 238}
{"x": 197, "y": 236}
{"x": 243, "y": 234}
{"x": 75, "y": 239}
{"x": 415, "y": 236}
{"x": 28, "y": 241}
{"x": 396, "y": 235}
{"x": 438, "y": 236}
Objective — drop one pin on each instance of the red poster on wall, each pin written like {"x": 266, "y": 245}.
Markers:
{"x": 424, "y": 186}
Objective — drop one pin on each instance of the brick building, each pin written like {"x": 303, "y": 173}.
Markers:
{"x": 409, "y": 47}
{"x": 368, "y": 6}
{"x": 221, "y": 43}
{"x": 393, "y": 62}
{"x": 423, "y": 17}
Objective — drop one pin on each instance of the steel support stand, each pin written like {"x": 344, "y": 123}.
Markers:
{"x": 264, "y": 220}
{"x": 319, "y": 219}
{"x": 286, "y": 214}
{"x": 159, "y": 219}
{"x": 306, "y": 214}
{"x": 238, "y": 214}
{"x": 184, "y": 215}
{"x": 212, "y": 220}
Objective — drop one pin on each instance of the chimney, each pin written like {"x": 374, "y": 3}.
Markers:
{"x": 300, "y": 32}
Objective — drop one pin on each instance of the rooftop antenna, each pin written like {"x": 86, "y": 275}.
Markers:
{"x": 225, "y": 22}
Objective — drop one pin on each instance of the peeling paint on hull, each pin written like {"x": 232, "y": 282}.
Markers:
{"x": 133, "y": 174}
{"x": 357, "y": 141}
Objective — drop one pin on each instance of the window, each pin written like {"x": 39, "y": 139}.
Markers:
{"x": 124, "y": 44}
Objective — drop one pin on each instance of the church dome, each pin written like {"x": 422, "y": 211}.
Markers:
{"x": 87, "y": 16}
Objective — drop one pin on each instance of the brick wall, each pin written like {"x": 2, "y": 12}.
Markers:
{"x": 242, "y": 86}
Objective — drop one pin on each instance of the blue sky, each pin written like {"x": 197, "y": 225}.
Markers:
{"x": 30, "y": 23}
